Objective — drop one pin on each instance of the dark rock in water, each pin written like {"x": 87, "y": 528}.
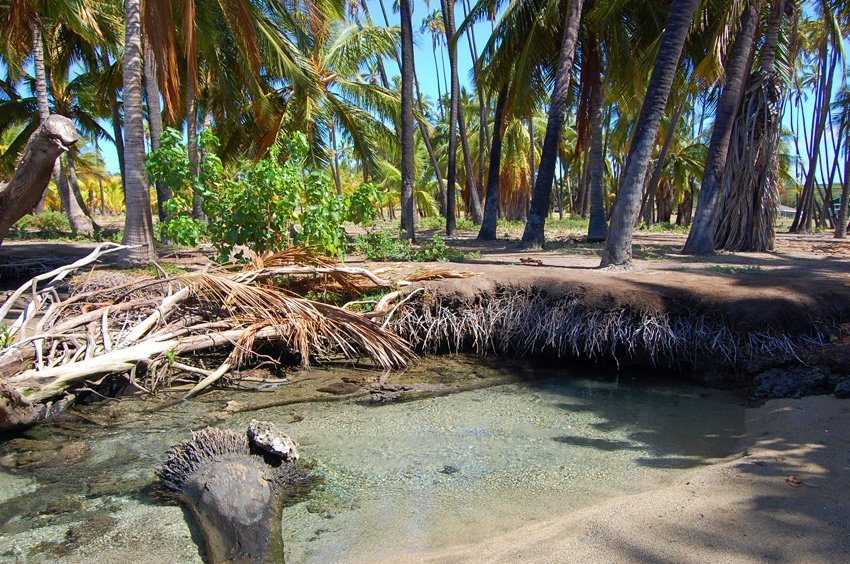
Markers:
{"x": 449, "y": 470}
{"x": 340, "y": 388}
{"x": 235, "y": 495}
{"x": 842, "y": 388}
{"x": 793, "y": 382}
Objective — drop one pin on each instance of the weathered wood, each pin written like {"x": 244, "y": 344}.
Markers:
{"x": 21, "y": 194}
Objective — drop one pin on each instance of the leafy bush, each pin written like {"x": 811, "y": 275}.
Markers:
{"x": 256, "y": 206}
{"x": 381, "y": 245}
{"x": 46, "y": 223}
{"x": 438, "y": 223}
{"x": 664, "y": 226}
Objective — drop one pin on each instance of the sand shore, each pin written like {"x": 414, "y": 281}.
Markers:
{"x": 740, "y": 510}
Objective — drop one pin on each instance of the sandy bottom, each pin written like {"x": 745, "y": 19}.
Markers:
{"x": 741, "y": 510}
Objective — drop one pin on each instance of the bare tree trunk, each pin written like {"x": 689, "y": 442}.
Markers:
{"x": 701, "y": 239}
{"x": 491, "y": 205}
{"x": 35, "y": 167}
{"x": 408, "y": 211}
{"x": 138, "y": 226}
{"x": 542, "y": 193}
{"x": 618, "y": 249}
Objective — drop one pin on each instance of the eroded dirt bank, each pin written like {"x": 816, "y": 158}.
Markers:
{"x": 742, "y": 510}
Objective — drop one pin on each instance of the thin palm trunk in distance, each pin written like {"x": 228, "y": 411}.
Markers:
{"x": 491, "y": 204}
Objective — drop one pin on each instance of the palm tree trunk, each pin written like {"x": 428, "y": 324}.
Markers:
{"x": 662, "y": 156}
{"x": 163, "y": 192}
{"x": 40, "y": 93}
{"x": 429, "y": 147}
{"x": 803, "y": 217}
{"x": 138, "y": 226}
{"x": 75, "y": 188}
{"x": 618, "y": 249}
{"x": 454, "y": 104}
{"x": 701, "y": 240}
{"x": 337, "y": 179}
{"x": 474, "y": 196}
{"x": 597, "y": 229}
{"x": 115, "y": 116}
{"x": 491, "y": 205}
{"x": 194, "y": 155}
{"x": 482, "y": 115}
{"x": 841, "y": 220}
{"x": 439, "y": 88}
{"x": 542, "y": 192}
{"x": 78, "y": 220}
{"x": 408, "y": 221}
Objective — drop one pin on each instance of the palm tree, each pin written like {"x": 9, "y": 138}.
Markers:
{"x": 491, "y": 204}
{"x": 433, "y": 24}
{"x": 618, "y": 248}
{"x": 454, "y": 106}
{"x": 408, "y": 225}
{"x": 597, "y": 229}
{"x": 542, "y": 194}
{"x": 701, "y": 238}
{"x": 841, "y": 121}
{"x": 138, "y": 225}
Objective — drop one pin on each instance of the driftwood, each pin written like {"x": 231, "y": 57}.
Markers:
{"x": 147, "y": 331}
{"x": 235, "y": 486}
{"x": 21, "y": 194}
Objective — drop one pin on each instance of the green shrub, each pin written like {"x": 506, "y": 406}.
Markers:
{"x": 256, "y": 205}
{"x": 380, "y": 245}
{"x": 664, "y": 226}
{"x": 46, "y": 223}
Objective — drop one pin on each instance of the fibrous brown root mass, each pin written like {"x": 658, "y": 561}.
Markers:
{"x": 520, "y": 322}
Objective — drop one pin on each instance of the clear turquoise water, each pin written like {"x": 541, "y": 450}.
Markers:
{"x": 399, "y": 479}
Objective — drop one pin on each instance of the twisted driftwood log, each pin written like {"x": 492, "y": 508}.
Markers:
{"x": 235, "y": 486}
{"x": 21, "y": 194}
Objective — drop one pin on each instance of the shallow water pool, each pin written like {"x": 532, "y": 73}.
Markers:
{"x": 403, "y": 478}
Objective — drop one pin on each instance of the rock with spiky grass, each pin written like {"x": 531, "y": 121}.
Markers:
{"x": 235, "y": 495}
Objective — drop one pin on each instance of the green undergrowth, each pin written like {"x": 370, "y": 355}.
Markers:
{"x": 727, "y": 269}
{"x": 383, "y": 246}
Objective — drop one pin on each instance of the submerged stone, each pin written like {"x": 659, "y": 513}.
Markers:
{"x": 793, "y": 382}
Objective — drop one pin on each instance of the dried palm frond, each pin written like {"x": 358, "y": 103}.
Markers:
{"x": 440, "y": 274}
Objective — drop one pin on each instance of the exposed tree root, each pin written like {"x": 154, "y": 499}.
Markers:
{"x": 526, "y": 323}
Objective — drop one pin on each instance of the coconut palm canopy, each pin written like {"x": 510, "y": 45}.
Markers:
{"x": 255, "y": 71}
